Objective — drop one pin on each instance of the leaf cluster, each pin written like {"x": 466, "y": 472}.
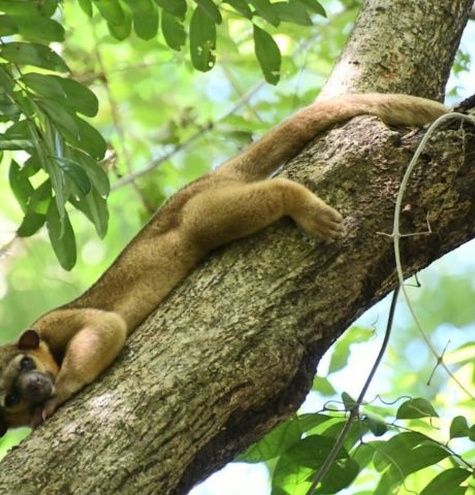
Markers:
{"x": 298, "y": 448}
{"x": 42, "y": 111}
{"x": 170, "y": 17}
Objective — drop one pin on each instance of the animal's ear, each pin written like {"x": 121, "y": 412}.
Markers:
{"x": 29, "y": 340}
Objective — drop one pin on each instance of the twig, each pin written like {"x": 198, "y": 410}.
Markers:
{"x": 397, "y": 235}
{"x": 355, "y": 409}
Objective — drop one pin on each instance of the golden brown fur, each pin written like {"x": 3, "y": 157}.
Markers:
{"x": 83, "y": 337}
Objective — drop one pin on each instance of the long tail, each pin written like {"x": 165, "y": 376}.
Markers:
{"x": 285, "y": 141}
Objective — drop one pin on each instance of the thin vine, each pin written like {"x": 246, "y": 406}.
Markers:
{"x": 396, "y": 235}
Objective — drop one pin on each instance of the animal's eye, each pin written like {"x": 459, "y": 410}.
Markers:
{"x": 27, "y": 364}
{"x": 12, "y": 399}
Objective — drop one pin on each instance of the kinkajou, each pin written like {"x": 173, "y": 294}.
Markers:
{"x": 70, "y": 346}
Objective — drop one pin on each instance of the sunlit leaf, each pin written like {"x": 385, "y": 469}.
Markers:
{"x": 447, "y": 482}
{"x": 111, "y": 10}
{"x": 7, "y": 25}
{"x": 173, "y": 31}
{"x": 298, "y": 465}
{"x": 240, "y": 6}
{"x": 175, "y": 7}
{"x": 323, "y": 386}
{"x": 268, "y": 54}
{"x": 61, "y": 236}
{"x": 294, "y": 12}
{"x": 37, "y": 207}
{"x": 416, "y": 408}
{"x": 377, "y": 426}
{"x": 314, "y": 6}
{"x": 59, "y": 115}
{"x": 37, "y": 28}
{"x": 86, "y": 7}
{"x": 33, "y": 54}
{"x": 211, "y": 10}
{"x": 145, "y": 18}
{"x": 348, "y": 401}
{"x": 20, "y": 185}
{"x": 89, "y": 140}
{"x": 94, "y": 207}
{"x": 68, "y": 92}
{"x": 267, "y": 11}
{"x": 274, "y": 443}
{"x": 202, "y": 40}
{"x": 459, "y": 427}
{"x": 75, "y": 173}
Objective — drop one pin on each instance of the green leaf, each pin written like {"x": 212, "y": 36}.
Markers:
{"x": 268, "y": 54}
{"x": 38, "y": 205}
{"x": 18, "y": 130}
{"x": 267, "y": 11}
{"x": 211, "y": 10}
{"x": 459, "y": 427}
{"x": 61, "y": 236}
{"x": 20, "y": 185}
{"x": 406, "y": 453}
{"x": 240, "y": 6}
{"x": 31, "y": 223}
{"x": 111, "y": 10}
{"x": 273, "y": 444}
{"x": 202, "y": 40}
{"x": 294, "y": 12}
{"x": 37, "y": 28}
{"x": 94, "y": 171}
{"x": 145, "y": 17}
{"x": 311, "y": 421}
{"x": 18, "y": 7}
{"x": 94, "y": 207}
{"x": 323, "y": 386}
{"x": 71, "y": 94}
{"x": 471, "y": 433}
{"x": 12, "y": 143}
{"x": 86, "y": 7}
{"x": 33, "y": 54}
{"x": 416, "y": 408}
{"x": 400, "y": 443}
{"x": 348, "y": 401}
{"x": 121, "y": 31}
{"x": 48, "y": 7}
{"x": 63, "y": 119}
{"x": 446, "y": 482}
{"x": 75, "y": 173}
{"x": 377, "y": 426}
{"x": 89, "y": 140}
{"x": 174, "y": 7}
{"x": 314, "y": 6}
{"x": 173, "y": 32}
{"x": 8, "y": 25}
{"x": 298, "y": 465}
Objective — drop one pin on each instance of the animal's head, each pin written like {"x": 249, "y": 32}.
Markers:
{"x": 27, "y": 374}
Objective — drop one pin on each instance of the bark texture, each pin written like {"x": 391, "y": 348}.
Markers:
{"x": 393, "y": 45}
{"x": 233, "y": 350}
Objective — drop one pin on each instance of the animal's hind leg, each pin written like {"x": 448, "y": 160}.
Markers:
{"x": 235, "y": 210}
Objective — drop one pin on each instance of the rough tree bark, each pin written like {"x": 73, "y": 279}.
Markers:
{"x": 233, "y": 350}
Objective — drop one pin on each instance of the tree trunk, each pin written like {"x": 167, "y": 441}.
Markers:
{"x": 233, "y": 350}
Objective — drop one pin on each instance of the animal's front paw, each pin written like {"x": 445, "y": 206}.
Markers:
{"x": 44, "y": 412}
{"x": 320, "y": 220}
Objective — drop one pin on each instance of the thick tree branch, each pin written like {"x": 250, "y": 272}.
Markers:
{"x": 233, "y": 350}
